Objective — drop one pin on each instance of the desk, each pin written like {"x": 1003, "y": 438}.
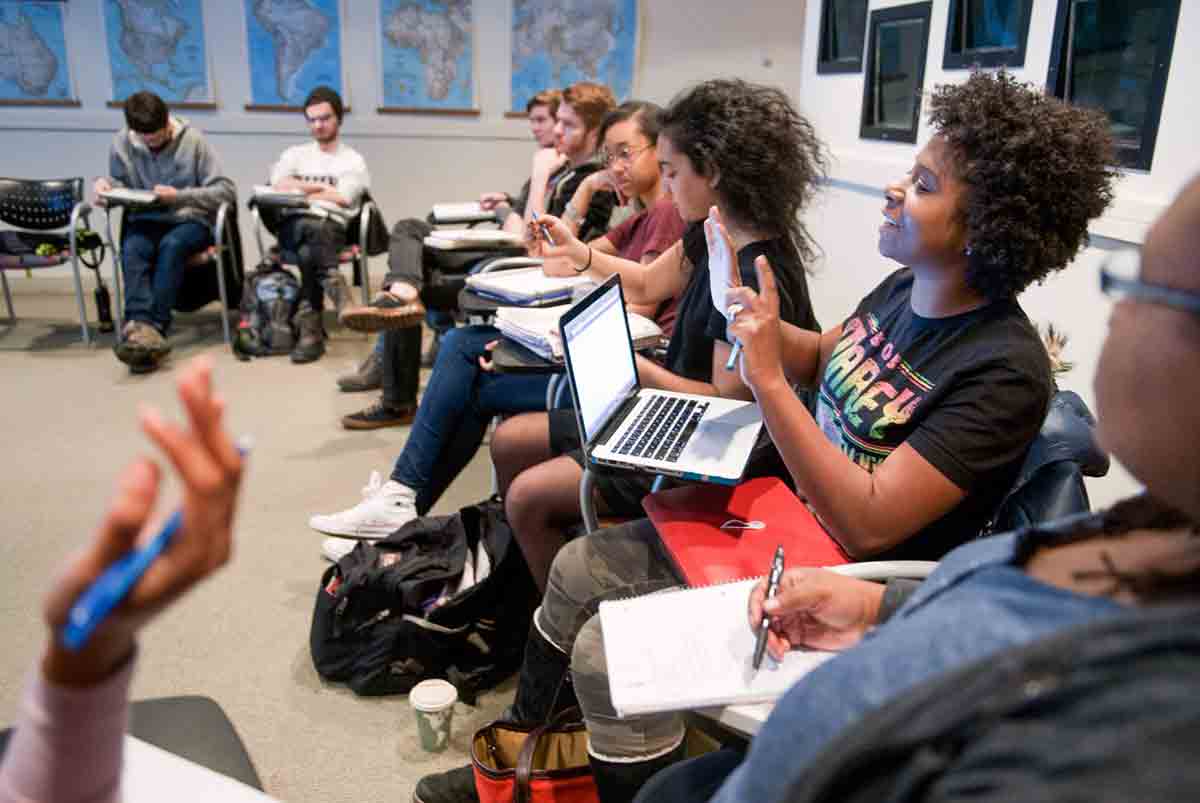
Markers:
{"x": 479, "y": 309}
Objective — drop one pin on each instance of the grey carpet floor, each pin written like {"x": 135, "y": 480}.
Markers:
{"x": 66, "y": 427}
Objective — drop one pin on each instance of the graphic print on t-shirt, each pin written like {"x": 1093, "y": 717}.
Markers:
{"x": 868, "y": 393}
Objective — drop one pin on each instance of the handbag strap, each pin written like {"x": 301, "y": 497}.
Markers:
{"x": 524, "y": 774}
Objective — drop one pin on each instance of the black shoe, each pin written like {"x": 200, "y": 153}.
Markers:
{"x": 453, "y": 786}
{"x": 385, "y": 312}
{"x": 380, "y": 415}
{"x": 368, "y": 375}
{"x": 311, "y": 343}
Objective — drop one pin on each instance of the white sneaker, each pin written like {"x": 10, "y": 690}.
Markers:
{"x": 384, "y": 509}
{"x": 334, "y": 549}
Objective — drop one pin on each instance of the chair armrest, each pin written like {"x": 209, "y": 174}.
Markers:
{"x": 886, "y": 569}
{"x": 364, "y": 223}
{"x": 219, "y": 228}
{"x": 508, "y": 263}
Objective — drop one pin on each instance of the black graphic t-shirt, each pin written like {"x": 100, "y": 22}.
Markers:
{"x": 967, "y": 392}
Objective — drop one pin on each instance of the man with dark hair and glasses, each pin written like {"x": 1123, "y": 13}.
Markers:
{"x": 165, "y": 154}
{"x": 1010, "y": 698}
{"x": 333, "y": 176}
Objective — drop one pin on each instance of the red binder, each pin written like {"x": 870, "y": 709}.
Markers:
{"x": 689, "y": 521}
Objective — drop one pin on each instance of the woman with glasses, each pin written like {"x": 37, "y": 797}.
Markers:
{"x": 720, "y": 144}
{"x": 463, "y": 394}
{"x": 930, "y": 393}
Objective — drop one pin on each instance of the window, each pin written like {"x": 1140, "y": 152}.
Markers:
{"x": 896, "y": 47}
{"x": 1114, "y": 55}
{"x": 988, "y": 33}
{"x": 843, "y": 26}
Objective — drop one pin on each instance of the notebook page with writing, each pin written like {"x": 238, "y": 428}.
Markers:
{"x": 691, "y": 649}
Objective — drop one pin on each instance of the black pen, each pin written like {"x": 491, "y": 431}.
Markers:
{"x": 760, "y": 646}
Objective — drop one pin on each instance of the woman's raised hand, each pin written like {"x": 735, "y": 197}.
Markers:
{"x": 755, "y": 324}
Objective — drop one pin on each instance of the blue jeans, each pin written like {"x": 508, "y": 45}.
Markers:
{"x": 456, "y": 408}
{"x": 154, "y": 251}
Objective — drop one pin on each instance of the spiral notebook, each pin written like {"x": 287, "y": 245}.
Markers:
{"x": 691, "y": 648}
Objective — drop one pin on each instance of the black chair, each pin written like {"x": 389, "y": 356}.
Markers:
{"x": 41, "y": 206}
{"x": 199, "y": 287}
{"x": 192, "y": 727}
{"x": 366, "y": 236}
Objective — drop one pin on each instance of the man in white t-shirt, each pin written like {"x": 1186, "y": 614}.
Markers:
{"x": 334, "y": 177}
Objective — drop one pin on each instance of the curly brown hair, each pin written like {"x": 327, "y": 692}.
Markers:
{"x": 1036, "y": 171}
{"x": 769, "y": 157}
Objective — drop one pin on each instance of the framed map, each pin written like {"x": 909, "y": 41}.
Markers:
{"x": 558, "y": 42}
{"x": 158, "y": 45}
{"x": 294, "y": 46}
{"x": 427, "y": 56}
{"x": 33, "y": 55}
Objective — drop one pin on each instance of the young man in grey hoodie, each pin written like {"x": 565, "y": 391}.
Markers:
{"x": 163, "y": 154}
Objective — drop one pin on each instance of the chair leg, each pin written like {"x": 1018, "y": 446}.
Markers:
{"x": 12, "y": 316}
{"x": 118, "y": 258}
{"x": 220, "y": 262}
{"x": 83, "y": 319}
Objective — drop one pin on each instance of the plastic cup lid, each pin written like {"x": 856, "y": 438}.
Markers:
{"x": 433, "y": 695}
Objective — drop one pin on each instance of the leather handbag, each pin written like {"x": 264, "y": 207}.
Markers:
{"x": 545, "y": 763}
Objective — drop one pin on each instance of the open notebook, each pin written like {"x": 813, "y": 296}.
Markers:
{"x": 691, "y": 648}
{"x": 524, "y": 286}
{"x": 478, "y": 239}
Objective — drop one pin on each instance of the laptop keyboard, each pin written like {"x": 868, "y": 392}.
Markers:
{"x": 662, "y": 429}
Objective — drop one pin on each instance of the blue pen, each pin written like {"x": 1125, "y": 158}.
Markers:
{"x": 115, "y": 583}
{"x": 545, "y": 229}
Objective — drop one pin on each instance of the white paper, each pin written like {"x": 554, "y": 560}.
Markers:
{"x": 720, "y": 267}
{"x": 152, "y": 775}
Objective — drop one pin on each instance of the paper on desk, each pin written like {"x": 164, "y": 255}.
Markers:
{"x": 536, "y": 328}
{"x": 152, "y": 775}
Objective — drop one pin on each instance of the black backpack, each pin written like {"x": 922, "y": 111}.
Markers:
{"x": 268, "y": 305}
{"x": 375, "y": 628}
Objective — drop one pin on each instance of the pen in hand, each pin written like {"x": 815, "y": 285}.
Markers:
{"x": 544, "y": 228}
{"x": 760, "y": 645}
{"x": 734, "y": 309}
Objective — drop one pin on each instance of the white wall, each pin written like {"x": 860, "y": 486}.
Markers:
{"x": 844, "y": 221}
{"x": 415, "y": 160}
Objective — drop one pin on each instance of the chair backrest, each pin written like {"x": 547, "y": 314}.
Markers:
{"x": 1050, "y": 483}
{"x": 39, "y": 205}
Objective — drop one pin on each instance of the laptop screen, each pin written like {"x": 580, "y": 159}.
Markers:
{"x": 601, "y": 358}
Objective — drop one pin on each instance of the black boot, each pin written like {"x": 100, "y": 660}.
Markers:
{"x": 311, "y": 343}
{"x": 619, "y": 781}
{"x": 544, "y": 686}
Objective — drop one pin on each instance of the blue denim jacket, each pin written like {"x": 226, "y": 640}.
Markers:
{"x": 975, "y": 604}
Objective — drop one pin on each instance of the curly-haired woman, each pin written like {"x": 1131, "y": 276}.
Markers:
{"x": 738, "y": 145}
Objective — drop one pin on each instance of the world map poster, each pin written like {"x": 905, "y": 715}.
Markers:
{"x": 559, "y": 42}
{"x": 294, "y": 46}
{"x": 157, "y": 45}
{"x": 33, "y": 55}
{"x": 427, "y": 54}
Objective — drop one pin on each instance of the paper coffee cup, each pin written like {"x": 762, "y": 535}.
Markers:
{"x": 433, "y": 701}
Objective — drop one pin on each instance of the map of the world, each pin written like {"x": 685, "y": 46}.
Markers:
{"x": 157, "y": 45}
{"x": 427, "y": 54}
{"x": 33, "y": 53}
{"x": 294, "y": 46}
{"x": 559, "y": 42}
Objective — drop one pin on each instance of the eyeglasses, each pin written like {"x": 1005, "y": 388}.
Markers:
{"x": 624, "y": 154}
{"x": 1118, "y": 281}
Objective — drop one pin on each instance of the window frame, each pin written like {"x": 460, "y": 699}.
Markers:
{"x": 1006, "y": 57}
{"x": 828, "y": 66}
{"x": 1143, "y": 157}
{"x": 913, "y": 11}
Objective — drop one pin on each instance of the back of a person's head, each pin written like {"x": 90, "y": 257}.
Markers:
{"x": 325, "y": 94}
{"x": 646, "y": 115}
{"x": 766, "y": 155}
{"x": 550, "y": 98}
{"x": 591, "y": 101}
{"x": 1036, "y": 171}
{"x": 145, "y": 112}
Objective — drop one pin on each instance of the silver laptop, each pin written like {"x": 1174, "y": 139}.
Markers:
{"x": 684, "y": 435}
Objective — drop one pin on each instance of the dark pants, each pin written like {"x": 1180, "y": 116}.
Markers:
{"x": 154, "y": 253}
{"x": 313, "y": 244}
{"x": 400, "y": 358}
{"x": 696, "y": 779}
{"x": 459, "y": 403}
